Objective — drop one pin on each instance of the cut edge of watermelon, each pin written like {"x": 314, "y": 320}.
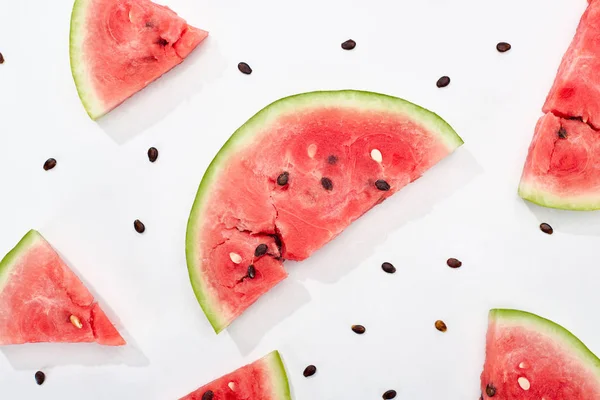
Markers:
{"x": 528, "y": 191}
{"x": 549, "y": 328}
{"x": 281, "y": 384}
{"x": 351, "y": 99}
{"x": 11, "y": 258}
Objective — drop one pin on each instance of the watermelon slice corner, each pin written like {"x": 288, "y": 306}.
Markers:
{"x": 530, "y": 357}
{"x": 118, "y": 47}
{"x": 42, "y": 300}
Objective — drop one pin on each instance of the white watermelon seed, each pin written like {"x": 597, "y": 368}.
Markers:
{"x": 76, "y": 322}
{"x": 523, "y": 365}
{"x": 312, "y": 150}
{"x": 231, "y": 385}
{"x": 235, "y": 257}
{"x": 376, "y": 155}
{"x": 524, "y": 383}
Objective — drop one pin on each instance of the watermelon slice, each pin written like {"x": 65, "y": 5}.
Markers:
{"x": 531, "y": 358}
{"x": 292, "y": 178}
{"x": 42, "y": 300}
{"x": 119, "y": 46}
{"x": 560, "y": 170}
{"x": 264, "y": 379}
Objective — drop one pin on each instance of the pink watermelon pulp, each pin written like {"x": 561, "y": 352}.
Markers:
{"x": 42, "y": 300}
{"x": 119, "y": 46}
{"x": 532, "y": 358}
{"x": 292, "y": 178}
{"x": 264, "y": 379}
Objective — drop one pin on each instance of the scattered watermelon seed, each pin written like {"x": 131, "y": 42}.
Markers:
{"x": 251, "y": 271}
{"x": 283, "y": 178}
{"x": 260, "y": 250}
{"x": 309, "y": 371}
{"x": 1, "y": 59}
{"x": 235, "y": 257}
{"x": 388, "y": 267}
{"x": 76, "y": 322}
{"x": 382, "y": 185}
{"x": 376, "y": 155}
{"x": 244, "y": 68}
{"x": 40, "y": 377}
{"x": 546, "y": 228}
{"x": 139, "y": 226}
{"x": 390, "y": 394}
{"x": 454, "y": 263}
{"x": 443, "y": 82}
{"x": 152, "y": 154}
{"x": 312, "y": 150}
{"x": 349, "y": 44}
{"x": 208, "y": 395}
{"x": 562, "y": 133}
{"x": 231, "y": 385}
{"x": 358, "y": 329}
{"x": 441, "y": 326}
{"x": 490, "y": 390}
{"x": 524, "y": 383}
{"x": 49, "y": 164}
{"x": 327, "y": 184}
{"x": 503, "y": 47}
{"x": 332, "y": 159}
{"x": 162, "y": 42}
{"x": 523, "y": 365}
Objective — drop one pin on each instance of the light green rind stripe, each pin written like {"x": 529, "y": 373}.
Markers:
{"x": 552, "y": 329}
{"x": 546, "y": 199}
{"x": 13, "y": 256}
{"x": 351, "y": 99}
{"x": 279, "y": 379}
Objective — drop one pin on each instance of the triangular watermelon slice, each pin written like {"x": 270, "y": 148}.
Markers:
{"x": 264, "y": 379}
{"x": 531, "y": 358}
{"x": 42, "y": 300}
{"x": 295, "y": 176}
{"x": 119, "y": 46}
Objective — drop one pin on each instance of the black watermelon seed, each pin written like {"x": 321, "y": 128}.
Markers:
{"x": 244, "y": 68}
{"x": 162, "y": 42}
{"x": 251, "y": 271}
{"x": 382, "y": 185}
{"x": 49, "y": 164}
{"x": 503, "y": 47}
{"x": 309, "y": 371}
{"x": 454, "y": 263}
{"x": 282, "y": 179}
{"x": 443, "y": 82}
{"x": 1, "y": 59}
{"x": 490, "y": 390}
{"x": 208, "y": 395}
{"x": 332, "y": 159}
{"x": 562, "y": 133}
{"x": 441, "y": 326}
{"x": 139, "y": 226}
{"x": 260, "y": 250}
{"x": 388, "y": 267}
{"x": 390, "y": 394}
{"x": 546, "y": 228}
{"x": 152, "y": 154}
{"x": 580, "y": 119}
{"x": 277, "y": 241}
{"x": 349, "y": 44}
{"x": 40, "y": 377}
{"x": 327, "y": 184}
{"x": 359, "y": 329}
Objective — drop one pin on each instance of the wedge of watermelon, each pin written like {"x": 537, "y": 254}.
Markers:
{"x": 119, "y": 46}
{"x": 264, "y": 379}
{"x": 292, "y": 178}
{"x": 42, "y": 300}
{"x": 532, "y": 358}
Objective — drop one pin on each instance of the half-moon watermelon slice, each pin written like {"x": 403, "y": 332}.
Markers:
{"x": 532, "y": 358}
{"x": 42, "y": 300}
{"x": 264, "y": 379}
{"x": 292, "y": 178}
{"x": 119, "y": 46}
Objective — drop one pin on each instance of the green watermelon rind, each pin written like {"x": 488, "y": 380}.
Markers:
{"x": 12, "y": 256}
{"x": 279, "y": 379}
{"x": 546, "y": 199}
{"x": 552, "y": 330}
{"x": 247, "y": 132}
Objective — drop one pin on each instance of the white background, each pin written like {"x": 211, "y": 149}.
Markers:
{"x": 465, "y": 207}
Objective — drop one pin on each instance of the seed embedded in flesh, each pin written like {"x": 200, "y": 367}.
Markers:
{"x": 244, "y": 68}
{"x": 503, "y": 47}
{"x": 40, "y": 377}
{"x": 388, "y": 267}
{"x": 152, "y": 154}
{"x": 382, "y": 185}
{"x": 376, "y": 155}
{"x": 524, "y": 383}
{"x": 359, "y": 329}
{"x": 283, "y": 178}
{"x": 260, "y": 250}
{"x": 332, "y": 159}
{"x": 49, "y": 164}
{"x": 235, "y": 257}
{"x": 312, "y": 150}
{"x": 546, "y": 228}
{"x": 349, "y": 44}
{"x": 562, "y": 133}
{"x": 490, "y": 390}
{"x": 309, "y": 371}
{"x": 208, "y": 395}
{"x": 76, "y": 322}
{"x": 443, "y": 82}
{"x": 231, "y": 385}
{"x": 251, "y": 271}
{"x": 454, "y": 263}
{"x": 523, "y": 365}
{"x": 327, "y": 184}
{"x": 390, "y": 394}
{"x": 441, "y": 326}
{"x": 162, "y": 42}
{"x": 139, "y": 226}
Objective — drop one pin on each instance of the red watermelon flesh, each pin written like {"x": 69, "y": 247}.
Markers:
{"x": 264, "y": 379}
{"x": 560, "y": 170}
{"x": 532, "y": 358}
{"x": 39, "y": 294}
{"x": 119, "y": 46}
{"x": 576, "y": 89}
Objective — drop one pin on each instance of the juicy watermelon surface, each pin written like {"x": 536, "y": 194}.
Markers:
{"x": 119, "y": 46}
{"x": 38, "y": 295}
{"x": 322, "y": 145}
{"x": 532, "y": 358}
{"x": 264, "y": 379}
